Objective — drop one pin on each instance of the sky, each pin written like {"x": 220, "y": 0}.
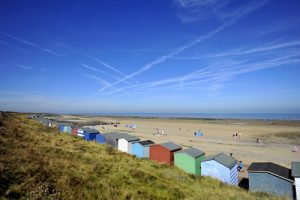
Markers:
{"x": 138, "y": 56}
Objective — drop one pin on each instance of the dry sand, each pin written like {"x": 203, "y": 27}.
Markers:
{"x": 278, "y": 137}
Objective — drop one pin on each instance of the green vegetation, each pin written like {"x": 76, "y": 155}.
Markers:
{"x": 40, "y": 163}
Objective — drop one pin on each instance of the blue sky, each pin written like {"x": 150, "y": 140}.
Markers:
{"x": 150, "y": 56}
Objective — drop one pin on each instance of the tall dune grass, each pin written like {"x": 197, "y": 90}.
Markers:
{"x": 40, "y": 163}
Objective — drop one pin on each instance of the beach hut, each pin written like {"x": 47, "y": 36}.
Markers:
{"x": 80, "y": 131}
{"x": 189, "y": 160}
{"x": 163, "y": 153}
{"x": 296, "y": 175}
{"x": 100, "y": 138}
{"x": 61, "y": 128}
{"x": 221, "y": 167}
{"x": 90, "y": 134}
{"x": 271, "y": 178}
{"x": 112, "y": 138}
{"x": 124, "y": 143}
{"x": 74, "y": 130}
{"x": 68, "y": 129}
{"x": 141, "y": 149}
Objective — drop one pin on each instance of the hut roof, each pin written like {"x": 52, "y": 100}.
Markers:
{"x": 146, "y": 142}
{"x": 195, "y": 153}
{"x": 130, "y": 138}
{"x": 115, "y": 135}
{"x": 223, "y": 159}
{"x": 90, "y": 130}
{"x": 296, "y": 169}
{"x": 171, "y": 146}
{"x": 271, "y": 168}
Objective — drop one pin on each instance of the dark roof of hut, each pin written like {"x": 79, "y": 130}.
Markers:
{"x": 271, "y": 168}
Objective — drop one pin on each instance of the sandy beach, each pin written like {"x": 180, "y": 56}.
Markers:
{"x": 278, "y": 138}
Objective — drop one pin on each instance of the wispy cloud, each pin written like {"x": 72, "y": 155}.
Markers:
{"x": 280, "y": 25}
{"x": 33, "y": 45}
{"x": 239, "y": 52}
{"x": 12, "y": 46}
{"x": 101, "y": 71}
{"x": 96, "y": 78}
{"x": 97, "y": 60}
{"x": 241, "y": 13}
{"x": 25, "y": 67}
{"x": 213, "y": 76}
{"x": 200, "y": 10}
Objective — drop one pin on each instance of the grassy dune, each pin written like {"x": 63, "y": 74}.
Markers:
{"x": 40, "y": 163}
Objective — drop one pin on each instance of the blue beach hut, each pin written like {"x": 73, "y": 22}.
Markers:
{"x": 61, "y": 128}
{"x": 90, "y": 134}
{"x": 100, "y": 138}
{"x": 221, "y": 167}
{"x": 141, "y": 149}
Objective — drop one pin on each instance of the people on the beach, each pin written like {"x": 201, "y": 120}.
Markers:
{"x": 258, "y": 141}
{"x": 295, "y": 149}
{"x": 240, "y": 166}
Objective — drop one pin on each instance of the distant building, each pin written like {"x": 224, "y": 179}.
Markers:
{"x": 221, "y": 167}
{"x": 189, "y": 160}
{"x": 141, "y": 149}
{"x": 296, "y": 175}
{"x": 163, "y": 153}
{"x": 271, "y": 178}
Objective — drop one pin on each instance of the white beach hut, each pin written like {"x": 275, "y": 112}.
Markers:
{"x": 124, "y": 143}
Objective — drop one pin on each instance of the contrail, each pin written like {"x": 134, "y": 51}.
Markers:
{"x": 249, "y": 8}
{"x": 102, "y": 63}
{"x": 33, "y": 45}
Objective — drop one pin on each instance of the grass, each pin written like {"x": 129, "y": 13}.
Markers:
{"x": 40, "y": 163}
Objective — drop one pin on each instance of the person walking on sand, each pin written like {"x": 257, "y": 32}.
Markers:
{"x": 240, "y": 166}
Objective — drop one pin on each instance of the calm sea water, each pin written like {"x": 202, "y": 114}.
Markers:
{"x": 264, "y": 116}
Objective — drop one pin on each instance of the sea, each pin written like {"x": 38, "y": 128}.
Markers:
{"x": 261, "y": 116}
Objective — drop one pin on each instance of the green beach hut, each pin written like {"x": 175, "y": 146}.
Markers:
{"x": 189, "y": 160}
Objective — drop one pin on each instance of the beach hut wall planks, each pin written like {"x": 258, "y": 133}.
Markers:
{"x": 100, "y": 138}
{"x": 221, "y": 167}
{"x": 163, "y": 153}
{"x": 124, "y": 143}
{"x": 189, "y": 160}
{"x": 90, "y": 134}
{"x": 296, "y": 175}
{"x": 270, "y": 178}
{"x": 141, "y": 149}
{"x": 80, "y": 132}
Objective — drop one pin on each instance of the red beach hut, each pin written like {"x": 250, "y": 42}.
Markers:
{"x": 163, "y": 153}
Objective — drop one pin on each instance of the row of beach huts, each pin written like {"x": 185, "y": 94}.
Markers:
{"x": 262, "y": 176}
